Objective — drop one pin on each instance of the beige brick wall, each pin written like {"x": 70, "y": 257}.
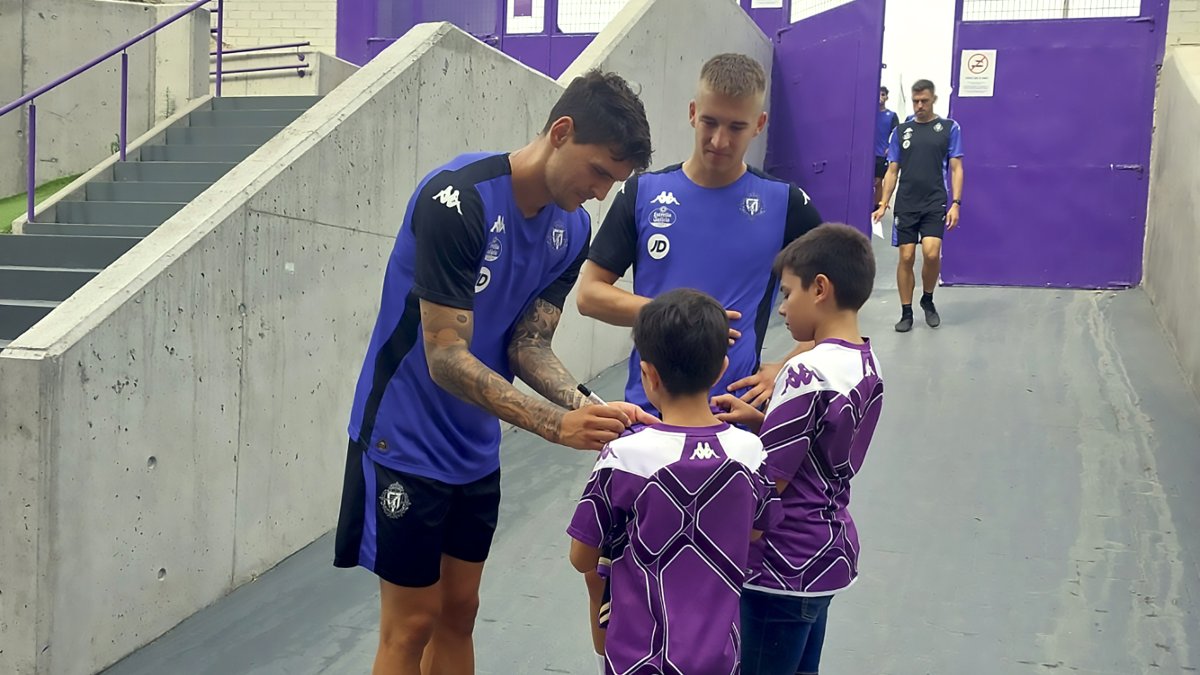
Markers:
{"x": 250, "y": 23}
{"x": 1183, "y": 25}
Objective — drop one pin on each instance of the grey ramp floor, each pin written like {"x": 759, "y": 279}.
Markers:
{"x": 1029, "y": 505}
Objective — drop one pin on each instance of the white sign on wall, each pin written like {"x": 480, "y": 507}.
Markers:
{"x": 977, "y": 73}
{"x": 766, "y": 4}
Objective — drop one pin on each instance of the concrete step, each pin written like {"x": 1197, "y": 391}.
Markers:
{"x": 124, "y": 213}
{"x": 18, "y": 316}
{"x": 90, "y": 229}
{"x": 43, "y": 283}
{"x": 43, "y": 250}
{"x": 196, "y": 153}
{"x": 144, "y": 191}
{"x": 264, "y": 102}
{"x": 221, "y": 135}
{"x": 243, "y": 118}
{"x": 171, "y": 172}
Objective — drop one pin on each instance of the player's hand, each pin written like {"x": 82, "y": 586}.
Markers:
{"x": 591, "y": 426}
{"x": 952, "y": 217}
{"x": 878, "y": 214}
{"x": 734, "y": 315}
{"x": 761, "y": 384}
{"x": 738, "y": 411}
{"x": 635, "y": 413}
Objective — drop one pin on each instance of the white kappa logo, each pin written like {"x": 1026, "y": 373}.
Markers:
{"x": 449, "y": 198}
{"x": 498, "y": 226}
{"x": 665, "y": 197}
{"x": 703, "y": 451}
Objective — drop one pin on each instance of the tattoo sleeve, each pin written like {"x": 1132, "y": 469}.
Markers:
{"x": 447, "y": 336}
{"x": 533, "y": 360}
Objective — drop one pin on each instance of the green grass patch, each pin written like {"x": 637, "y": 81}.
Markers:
{"x": 14, "y": 206}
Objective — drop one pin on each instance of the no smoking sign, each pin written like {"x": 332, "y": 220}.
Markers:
{"x": 977, "y": 76}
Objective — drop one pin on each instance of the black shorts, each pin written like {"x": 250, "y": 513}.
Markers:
{"x": 881, "y": 167}
{"x": 399, "y": 525}
{"x": 911, "y": 228}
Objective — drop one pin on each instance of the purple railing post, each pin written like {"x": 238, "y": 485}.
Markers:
{"x": 220, "y": 42}
{"x": 124, "y": 99}
{"x": 31, "y": 170}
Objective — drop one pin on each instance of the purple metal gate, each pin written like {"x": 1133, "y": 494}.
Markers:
{"x": 1057, "y": 159}
{"x": 824, "y": 100}
{"x": 366, "y": 27}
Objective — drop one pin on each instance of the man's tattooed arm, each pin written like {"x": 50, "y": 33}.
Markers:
{"x": 447, "y": 334}
{"x": 532, "y": 359}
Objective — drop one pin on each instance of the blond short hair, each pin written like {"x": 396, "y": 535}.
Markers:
{"x": 734, "y": 75}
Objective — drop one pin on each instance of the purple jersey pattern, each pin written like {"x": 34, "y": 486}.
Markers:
{"x": 683, "y": 501}
{"x": 822, "y": 415}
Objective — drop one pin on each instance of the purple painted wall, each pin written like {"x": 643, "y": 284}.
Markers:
{"x": 1057, "y": 171}
{"x": 550, "y": 54}
{"x": 770, "y": 21}
{"x": 824, "y": 98}
{"x": 367, "y": 27}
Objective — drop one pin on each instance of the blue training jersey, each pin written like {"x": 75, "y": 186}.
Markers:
{"x": 721, "y": 241}
{"x": 885, "y": 121}
{"x": 464, "y": 243}
{"x": 924, "y": 151}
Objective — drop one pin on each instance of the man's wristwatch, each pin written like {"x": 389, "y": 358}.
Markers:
{"x": 957, "y": 201}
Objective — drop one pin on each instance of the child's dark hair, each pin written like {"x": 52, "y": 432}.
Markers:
{"x": 684, "y": 334}
{"x": 841, "y": 253}
{"x": 606, "y": 111}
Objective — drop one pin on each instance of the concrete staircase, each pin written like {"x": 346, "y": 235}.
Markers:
{"x": 51, "y": 260}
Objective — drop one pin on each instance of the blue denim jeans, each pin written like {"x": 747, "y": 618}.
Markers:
{"x": 782, "y": 634}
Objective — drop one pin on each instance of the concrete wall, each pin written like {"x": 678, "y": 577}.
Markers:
{"x": 665, "y": 65}
{"x": 178, "y": 426}
{"x": 324, "y": 73}
{"x": 79, "y": 121}
{"x": 1172, "y": 258}
{"x": 250, "y": 23}
{"x": 1183, "y": 23}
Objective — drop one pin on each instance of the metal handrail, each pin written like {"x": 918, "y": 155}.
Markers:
{"x": 263, "y": 48}
{"x": 299, "y": 67}
{"x": 122, "y": 50}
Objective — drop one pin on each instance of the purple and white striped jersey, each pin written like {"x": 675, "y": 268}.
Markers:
{"x": 683, "y": 502}
{"x": 822, "y": 415}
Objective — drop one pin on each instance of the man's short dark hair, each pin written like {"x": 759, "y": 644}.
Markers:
{"x": 684, "y": 334}
{"x": 883, "y": 90}
{"x": 841, "y": 253}
{"x": 924, "y": 85}
{"x": 606, "y": 112}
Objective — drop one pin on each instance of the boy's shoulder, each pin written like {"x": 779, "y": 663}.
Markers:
{"x": 832, "y": 365}
{"x": 650, "y": 449}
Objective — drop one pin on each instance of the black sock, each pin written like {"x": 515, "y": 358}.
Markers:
{"x": 905, "y": 310}
{"x": 926, "y": 298}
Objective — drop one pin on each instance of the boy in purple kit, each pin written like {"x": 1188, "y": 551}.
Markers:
{"x": 676, "y": 504}
{"x": 816, "y": 430}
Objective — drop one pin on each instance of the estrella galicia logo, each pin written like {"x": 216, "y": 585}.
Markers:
{"x": 662, "y": 217}
{"x": 494, "y": 249}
